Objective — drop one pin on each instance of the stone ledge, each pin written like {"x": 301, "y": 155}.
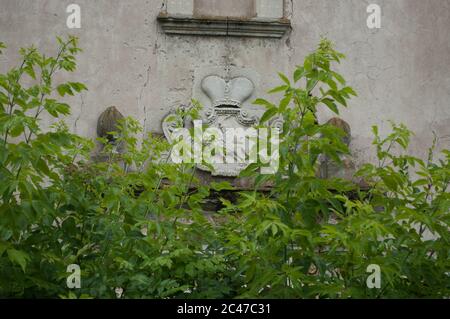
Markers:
{"x": 215, "y": 26}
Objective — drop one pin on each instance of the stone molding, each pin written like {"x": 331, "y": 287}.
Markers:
{"x": 218, "y": 26}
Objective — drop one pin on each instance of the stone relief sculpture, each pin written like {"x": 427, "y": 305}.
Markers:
{"x": 107, "y": 122}
{"x": 223, "y": 94}
{"x": 346, "y": 169}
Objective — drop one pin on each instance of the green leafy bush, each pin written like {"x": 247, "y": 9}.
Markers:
{"x": 135, "y": 224}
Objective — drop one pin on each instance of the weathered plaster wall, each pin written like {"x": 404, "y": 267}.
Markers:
{"x": 401, "y": 71}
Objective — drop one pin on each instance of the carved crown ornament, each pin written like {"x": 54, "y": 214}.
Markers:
{"x": 225, "y": 99}
{"x": 227, "y": 92}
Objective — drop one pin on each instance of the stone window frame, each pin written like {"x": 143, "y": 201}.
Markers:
{"x": 178, "y": 18}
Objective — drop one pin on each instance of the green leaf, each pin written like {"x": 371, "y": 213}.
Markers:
{"x": 349, "y": 91}
{"x": 421, "y": 182}
{"x": 3, "y": 247}
{"x": 62, "y": 108}
{"x": 338, "y": 97}
{"x": 30, "y": 71}
{"x": 54, "y": 108}
{"x": 18, "y": 257}
{"x": 17, "y": 129}
{"x": 249, "y": 170}
{"x": 41, "y": 165}
{"x": 299, "y": 73}
{"x": 331, "y": 105}
{"x": 284, "y": 78}
{"x": 64, "y": 89}
{"x": 338, "y": 77}
{"x": 331, "y": 84}
{"x": 264, "y": 103}
{"x": 77, "y": 86}
{"x": 221, "y": 186}
{"x": 61, "y": 89}
{"x": 285, "y": 102}
{"x": 280, "y": 88}
{"x": 308, "y": 64}
{"x": 268, "y": 114}
{"x": 375, "y": 130}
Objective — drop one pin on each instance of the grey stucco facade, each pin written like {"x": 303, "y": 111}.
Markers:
{"x": 400, "y": 71}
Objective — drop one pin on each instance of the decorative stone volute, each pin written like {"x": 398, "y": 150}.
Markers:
{"x": 346, "y": 169}
{"x": 344, "y": 126}
{"x": 107, "y": 122}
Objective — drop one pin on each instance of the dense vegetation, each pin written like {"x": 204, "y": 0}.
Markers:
{"x": 135, "y": 224}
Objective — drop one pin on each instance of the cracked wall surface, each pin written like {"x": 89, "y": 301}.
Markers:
{"x": 401, "y": 71}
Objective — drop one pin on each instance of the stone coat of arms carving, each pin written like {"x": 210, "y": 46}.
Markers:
{"x": 226, "y": 96}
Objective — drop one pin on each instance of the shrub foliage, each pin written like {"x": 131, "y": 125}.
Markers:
{"x": 135, "y": 224}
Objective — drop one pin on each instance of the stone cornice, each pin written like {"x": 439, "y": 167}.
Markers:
{"x": 219, "y": 26}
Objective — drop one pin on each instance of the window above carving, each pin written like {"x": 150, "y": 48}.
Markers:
{"x": 228, "y": 8}
{"x": 251, "y": 18}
